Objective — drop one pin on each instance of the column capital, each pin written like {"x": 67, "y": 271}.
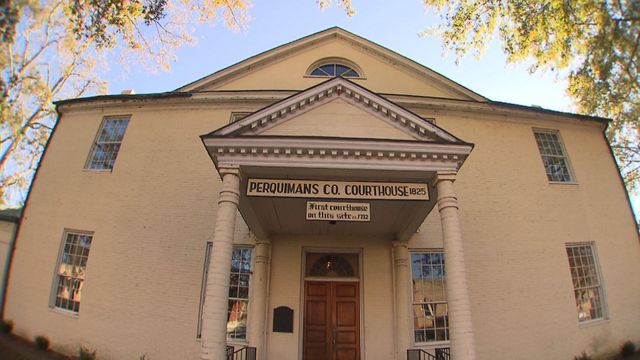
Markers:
{"x": 259, "y": 240}
{"x": 263, "y": 242}
{"x": 224, "y": 169}
{"x": 400, "y": 253}
{"x": 400, "y": 244}
{"x": 230, "y": 190}
{"x": 444, "y": 176}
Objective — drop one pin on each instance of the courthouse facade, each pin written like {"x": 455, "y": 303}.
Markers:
{"x": 326, "y": 199}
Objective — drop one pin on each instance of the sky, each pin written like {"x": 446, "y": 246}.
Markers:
{"x": 396, "y": 25}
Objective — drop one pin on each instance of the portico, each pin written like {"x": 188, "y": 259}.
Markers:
{"x": 295, "y": 141}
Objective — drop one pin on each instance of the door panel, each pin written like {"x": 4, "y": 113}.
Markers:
{"x": 332, "y": 321}
{"x": 317, "y": 321}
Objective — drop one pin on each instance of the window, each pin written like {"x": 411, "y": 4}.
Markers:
{"x": 430, "y": 310}
{"x": 331, "y": 265}
{"x": 334, "y": 69}
{"x": 553, "y": 155}
{"x": 235, "y": 116}
{"x": 239, "y": 294}
{"x": 203, "y": 288}
{"x": 70, "y": 270}
{"x": 105, "y": 149}
{"x": 587, "y": 286}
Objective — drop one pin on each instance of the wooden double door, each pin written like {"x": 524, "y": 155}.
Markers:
{"x": 331, "y": 320}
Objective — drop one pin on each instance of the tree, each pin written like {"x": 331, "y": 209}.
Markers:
{"x": 54, "y": 49}
{"x": 595, "y": 42}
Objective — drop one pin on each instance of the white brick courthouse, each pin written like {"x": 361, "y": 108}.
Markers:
{"x": 327, "y": 199}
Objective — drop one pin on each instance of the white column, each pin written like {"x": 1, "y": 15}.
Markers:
{"x": 214, "y": 317}
{"x": 460, "y": 322}
{"x": 403, "y": 301}
{"x": 259, "y": 294}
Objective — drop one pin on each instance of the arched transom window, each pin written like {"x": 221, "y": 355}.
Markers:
{"x": 332, "y": 265}
{"x": 334, "y": 69}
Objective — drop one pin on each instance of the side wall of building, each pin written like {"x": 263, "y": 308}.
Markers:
{"x": 153, "y": 214}
{"x": 516, "y": 226}
{"x": 150, "y": 217}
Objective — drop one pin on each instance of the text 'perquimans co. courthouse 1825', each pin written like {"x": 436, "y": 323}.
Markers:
{"x": 343, "y": 203}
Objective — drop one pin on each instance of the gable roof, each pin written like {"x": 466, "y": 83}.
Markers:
{"x": 271, "y": 116}
{"x": 276, "y": 53}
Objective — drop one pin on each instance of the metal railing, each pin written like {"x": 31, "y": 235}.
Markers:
{"x": 421, "y": 354}
{"x": 244, "y": 353}
{"x": 443, "y": 353}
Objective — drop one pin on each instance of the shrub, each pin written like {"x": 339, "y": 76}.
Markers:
{"x": 6, "y": 326}
{"x": 582, "y": 356}
{"x": 628, "y": 349}
{"x": 86, "y": 354}
{"x": 42, "y": 342}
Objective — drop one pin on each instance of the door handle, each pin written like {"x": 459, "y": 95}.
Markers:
{"x": 334, "y": 340}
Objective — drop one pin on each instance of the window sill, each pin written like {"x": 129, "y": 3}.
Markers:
{"x": 329, "y": 77}
{"x": 64, "y": 312}
{"x": 238, "y": 343}
{"x": 563, "y": 183}
{"x": 100, "y": 171}
{"x": 433, "y": 344}
{"x": 590, "y": 323}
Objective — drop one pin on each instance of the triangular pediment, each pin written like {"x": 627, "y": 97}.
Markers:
{"x": 338, "y": 108}
{"x": 380, "y": 69}
{"x": 338, "y": 117}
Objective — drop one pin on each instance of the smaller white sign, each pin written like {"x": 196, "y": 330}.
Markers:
{"x": 338, "y": 211}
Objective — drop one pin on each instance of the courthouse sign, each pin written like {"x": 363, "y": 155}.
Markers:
{"x": 337, "y": 189}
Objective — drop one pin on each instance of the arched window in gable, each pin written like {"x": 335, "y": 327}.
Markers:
{"x": 334, "y": 67}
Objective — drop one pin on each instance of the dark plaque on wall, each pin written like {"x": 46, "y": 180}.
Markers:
{"x": 283, "y": 319}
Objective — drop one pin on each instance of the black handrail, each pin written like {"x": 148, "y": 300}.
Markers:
{"x": 244, "y": 353}
{"x": 421, "y": 354}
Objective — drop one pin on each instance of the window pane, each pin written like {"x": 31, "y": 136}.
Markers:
{"x": 341, "y": 69}
{"x": 331, "y": 265}
{"x": 71, "y": 271}
{"x": 350, "y": 73}
{"x": 239, "y": 293}
{"x": 334, "y": 70}
{"x": 586, "y": 282}
{"x": 553, "y": 157}
{"x": 330, "y": 69}
{"x": 430, "y": 313}
{"x": 237, "y": 319}
{"x": 556, "y": 168}
{"x": 107, "y": 144}
{"x": 203, "y": 288}
{"x": 318, "y": 72}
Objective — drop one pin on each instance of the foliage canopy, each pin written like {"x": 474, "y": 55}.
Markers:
{"x": 55, "y": 49}
{"x": 595, "y": 42}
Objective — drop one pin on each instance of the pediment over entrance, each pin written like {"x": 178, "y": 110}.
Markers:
{"x": 339, "y": 118}
{"x": 336, "y": 131}
{"x": 340, "y": 108}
